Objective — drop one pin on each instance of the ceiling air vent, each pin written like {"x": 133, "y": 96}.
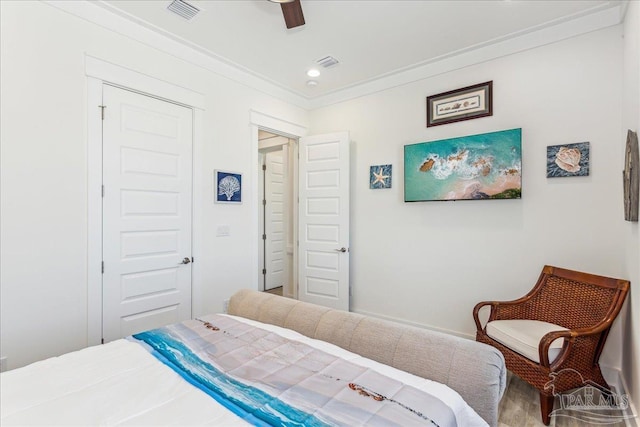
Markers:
{"x": 184, "y": 9}
{"x": 327, "y": 61}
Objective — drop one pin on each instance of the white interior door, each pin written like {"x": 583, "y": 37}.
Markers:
{"x": 263, "y": 236}
{"x": 275, "y": 260}
{"x": 147, "y": 177}
{"x": 323, "y": 220}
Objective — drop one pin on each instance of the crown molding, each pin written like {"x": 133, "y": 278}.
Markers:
{"x": 477, "y": 54}
{"x": 107, "y": 17}
{"x": 104, "y": 16}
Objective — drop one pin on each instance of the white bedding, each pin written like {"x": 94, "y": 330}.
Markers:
{"x": 121, "y": 383}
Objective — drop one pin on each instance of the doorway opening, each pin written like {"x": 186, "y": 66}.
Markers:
{"x": 319, "y": 212}
{"x": 277, "y": 213}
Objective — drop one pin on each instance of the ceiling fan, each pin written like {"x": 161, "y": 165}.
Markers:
{"x": 292, "y": 12}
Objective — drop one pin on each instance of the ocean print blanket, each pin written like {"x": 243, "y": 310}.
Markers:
{"x": 268, "y": 379}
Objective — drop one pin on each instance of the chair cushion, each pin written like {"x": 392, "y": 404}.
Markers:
{"x": 523, "y": 337}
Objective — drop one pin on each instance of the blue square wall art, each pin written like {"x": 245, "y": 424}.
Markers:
{"x": 380, "y": 177}
{"x": 228, "y": 187}
{"x": 568, "y": 160}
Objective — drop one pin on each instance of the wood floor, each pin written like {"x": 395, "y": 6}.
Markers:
{"x": 275, "y": 291}
{"x": 520, "y": 407}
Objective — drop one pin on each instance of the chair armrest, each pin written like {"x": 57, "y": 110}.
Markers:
{"x": 569, "y": 337}
{"x": 476, "y": 310}
{"x": 545, "y": 342}
{"x": 495, "y": 310}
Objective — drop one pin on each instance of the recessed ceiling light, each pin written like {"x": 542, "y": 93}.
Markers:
{"x": 312, "y": 83}
{"x": 313, "y": 73}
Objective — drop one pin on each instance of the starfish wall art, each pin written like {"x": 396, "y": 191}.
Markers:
{"x": 380, "y": 177}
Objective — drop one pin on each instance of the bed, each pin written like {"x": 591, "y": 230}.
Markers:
{"x": 269, "y": 361}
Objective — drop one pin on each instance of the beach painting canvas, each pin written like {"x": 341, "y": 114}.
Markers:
{"x": 476, "y": 167}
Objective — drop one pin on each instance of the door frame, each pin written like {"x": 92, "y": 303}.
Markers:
{"x": 262, "y": 121}
{"x": 98, "y": 73}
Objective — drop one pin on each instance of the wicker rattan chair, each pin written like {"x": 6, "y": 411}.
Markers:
{"x": 585, "y": 304}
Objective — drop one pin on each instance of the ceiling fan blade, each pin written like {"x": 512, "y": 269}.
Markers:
{"x": 292, "y": 12}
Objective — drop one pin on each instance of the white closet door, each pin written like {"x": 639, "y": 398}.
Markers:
{"x": 147, "y": 176}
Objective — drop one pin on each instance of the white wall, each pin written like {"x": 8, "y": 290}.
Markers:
{"x": 43, "y": 288}
{"x": 631, "y": 120}
{"x": 426, "y": 263}
{"x": 429, "y": 263}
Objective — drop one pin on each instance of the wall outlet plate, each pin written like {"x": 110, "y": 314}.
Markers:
{"x": 225, "y": 306}
{"x": 223, "y": 230}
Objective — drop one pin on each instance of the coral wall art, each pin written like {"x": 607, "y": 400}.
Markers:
{"x": 568, "y": 160}
{"x": 485, "y": 166}
{"x": 380, "y": 177}
{"x": 228, "y": 187}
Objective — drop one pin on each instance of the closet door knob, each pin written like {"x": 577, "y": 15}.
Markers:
{"x": 341, "y": 250}
{"x": 186, "y": 260}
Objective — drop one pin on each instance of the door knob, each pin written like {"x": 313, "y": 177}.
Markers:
{"x": 186, "y": 260}
{"x": 341, "y": 250}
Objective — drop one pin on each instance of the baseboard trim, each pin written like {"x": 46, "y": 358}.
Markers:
{"x": 615, "y": 379}
{"x": 416, "y": 324}
{"x": 612, "y": 376}
{"x": 632, "y": 411}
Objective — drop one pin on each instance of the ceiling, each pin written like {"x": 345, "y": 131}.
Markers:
{"x": 370, "y": 39}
